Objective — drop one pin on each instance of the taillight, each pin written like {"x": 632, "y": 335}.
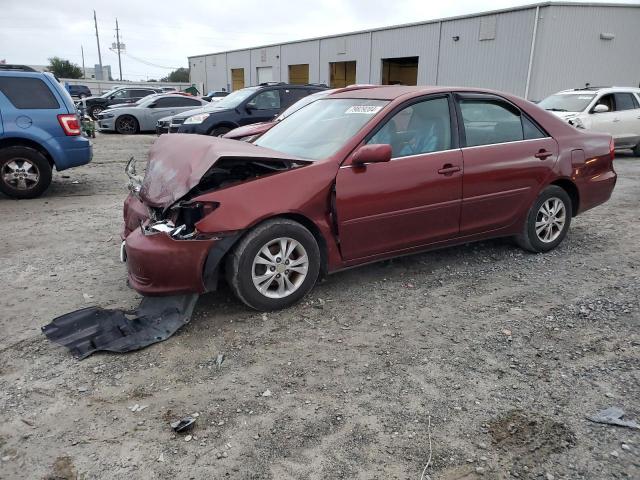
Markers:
{"x": 70, "y": 124}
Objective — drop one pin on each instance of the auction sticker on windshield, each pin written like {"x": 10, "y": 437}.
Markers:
{"x": 366, "y": 109}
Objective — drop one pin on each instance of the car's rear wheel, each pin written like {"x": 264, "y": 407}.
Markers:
{"x": 95, "y": 110}
{"x": 24, "y": 172}
{"x": 274, "y": 265}
{"x": 127, "y": 125}
{"x": 219, "y": 131}
{"x": 547, "y": 222}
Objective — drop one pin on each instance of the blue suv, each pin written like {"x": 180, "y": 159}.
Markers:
{"x": 39, "y": 129}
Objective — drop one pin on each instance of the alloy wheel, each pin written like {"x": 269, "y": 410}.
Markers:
{"x": 280, "y": 267}
{"x": 21, "y": 174}
{"x": 126, "y": 125}
{"x": 550, "y": 220}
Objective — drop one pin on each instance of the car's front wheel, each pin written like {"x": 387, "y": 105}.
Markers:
{"x": 24, "y": 172}
{"x": 219, "y": 131}
{"x": 95, "y": 110}
{"x": 127, "y": 125}
{"x": 274, "y": 265}
{"x": 547, "y": 222}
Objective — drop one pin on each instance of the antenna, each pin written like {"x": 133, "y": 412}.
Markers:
{"x": 95, "y": 21}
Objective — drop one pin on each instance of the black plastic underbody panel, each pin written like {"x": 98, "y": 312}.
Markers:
{"x": 93, "y": 329}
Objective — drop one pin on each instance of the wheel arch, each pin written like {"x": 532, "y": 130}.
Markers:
{"x": 225, "y": 123}
{"x": 25, "y": 142}
{"x": 573, "y": 192}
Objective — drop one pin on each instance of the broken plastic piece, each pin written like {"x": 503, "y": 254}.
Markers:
{"x": 92, "y": 329}
{"x": 613, "y": 416}
{"x": 183, "y": 425}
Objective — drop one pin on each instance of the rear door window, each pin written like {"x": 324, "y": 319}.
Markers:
{"x": 289, "y": 96}
{"x": 27, "y": 93}
{"x": 624, "y": 101}
{"x": 490, "y": 121}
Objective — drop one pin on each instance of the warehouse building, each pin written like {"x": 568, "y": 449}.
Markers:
{"x": 530, "y": 51}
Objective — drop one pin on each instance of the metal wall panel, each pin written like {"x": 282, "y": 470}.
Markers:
{"x": 569, "y": 51}
{"x": 500, "y": 64}
{"x": 216, "y": 68}
{"x": 418, "y": 41}
{"x": 197, "y": 70}
{"x": 239, "y": 59}
{"x": 265, "y": 57}
{"x": 301, "y": 53}
{"x": 346, "y": 48}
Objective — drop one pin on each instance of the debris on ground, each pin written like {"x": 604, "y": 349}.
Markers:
{"x": 137, "y": 407}
{"x": 184, "y": 424}
{"x": 219, "y": 360}
{"x": 613, "y": 416}
{"x": 266, "y": 393}
{"x": 93, "y": 329}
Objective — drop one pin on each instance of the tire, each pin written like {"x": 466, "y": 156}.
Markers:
{"x": 127, "y": 125}
{"x": 242, "y": 263}
{"x": 552, "y": 212}
{"x": 219, "y": 131}
{"x": 95, "y": 110}
{"x": 24, "y": 172}
{"x": 636, "y": 150}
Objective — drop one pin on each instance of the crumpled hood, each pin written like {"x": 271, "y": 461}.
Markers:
{"x": 252, "y": 129}
{"x": 177, "y": 163}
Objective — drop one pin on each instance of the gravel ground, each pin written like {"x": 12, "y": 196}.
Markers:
{"x": 482, "y": 357}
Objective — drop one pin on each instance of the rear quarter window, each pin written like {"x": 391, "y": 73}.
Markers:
{"x": 26, "y": 93}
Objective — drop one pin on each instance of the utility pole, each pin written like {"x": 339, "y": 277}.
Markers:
{"x": 95, "y": 22}
{"x": 84, "y": 71}
{"x": 118, "y": 47}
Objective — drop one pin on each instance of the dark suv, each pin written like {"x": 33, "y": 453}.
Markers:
{"x": 113, "y": 97}
{"x": 242, "y": 107}
{"x": 79, "y": 91}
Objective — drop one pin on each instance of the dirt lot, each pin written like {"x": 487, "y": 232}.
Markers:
{"x": 503, "y": 353}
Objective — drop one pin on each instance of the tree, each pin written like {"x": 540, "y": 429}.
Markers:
{"x": 62, "y": 68}
{"x": 179, "y": 75}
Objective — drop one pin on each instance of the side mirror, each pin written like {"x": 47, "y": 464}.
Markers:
{"x": 251, "y": 106}
{"x": 152, "y": 105}
{"x": 600, "y": 108}
{"x": 375, "y": 153}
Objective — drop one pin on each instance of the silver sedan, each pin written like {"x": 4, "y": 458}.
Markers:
{"x": 143, "y": 116}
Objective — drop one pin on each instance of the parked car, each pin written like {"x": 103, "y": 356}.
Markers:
{"x": 252, "y": 131}
{"x": 215, "y": 95}
{"x": 95, "y": 105}
{"x": 143, "y": 116}
{"x": 162, "y": 126}
{"x": 169, "y": 89}
{"x": 79, "y": 91}
{"x": 356, "y": 177}
{"x": 612, "y": 110}
{"x": 242, "y": 107}
{"x": 39, "y": 130}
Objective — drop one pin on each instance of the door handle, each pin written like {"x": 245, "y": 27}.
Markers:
{"x": 543, "y": 154}
{"x": 448, "y": 169}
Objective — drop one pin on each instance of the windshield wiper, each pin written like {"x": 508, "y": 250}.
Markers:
{"x": 557, "y": 109}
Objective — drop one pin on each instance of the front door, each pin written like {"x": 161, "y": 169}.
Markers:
{"x": 412, "y": 200}
{"x": 263, "y": 107}
{"x": 507, "y": 157}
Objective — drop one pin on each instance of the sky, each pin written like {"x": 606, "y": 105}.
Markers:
{"x": 160, "y": 35}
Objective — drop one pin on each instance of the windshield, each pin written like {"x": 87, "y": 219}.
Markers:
{"x": 567, "y": 102}
{"x": 234, "y": 99}
{"x": 303, "y": 102}
{"x": 320, "y": 129}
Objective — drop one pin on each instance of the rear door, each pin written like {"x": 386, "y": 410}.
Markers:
{"x": 412, "y": 200}
{"x": 289, "y": 96}
{"x": 507, "y": 157}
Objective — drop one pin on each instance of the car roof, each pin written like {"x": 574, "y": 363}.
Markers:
{"x": 594, "y": 90}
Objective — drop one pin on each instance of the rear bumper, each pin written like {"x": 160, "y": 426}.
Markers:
{"x": 597, "y": 190}
{"x": 72, "y": 152}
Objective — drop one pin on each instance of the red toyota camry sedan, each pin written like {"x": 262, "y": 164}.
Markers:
{"x": 353, "y": 178}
